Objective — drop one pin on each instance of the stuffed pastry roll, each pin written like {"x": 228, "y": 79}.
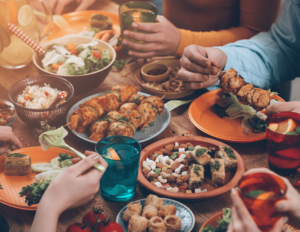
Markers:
{"x": 132, "y": 209}
{"x": 149, "y": 211}
{"x": 201, "y": 156}
{"x": 166, "y": 210}
{"x": 196, "y": 178}
{"x": 227, "y": 154}
{"x": 137, "y": 223}
{"x": 155, "y": 201}
{"x": 217, "y": 168}
{"x": 156, "y": 224}
{"x": 173, "y": 223}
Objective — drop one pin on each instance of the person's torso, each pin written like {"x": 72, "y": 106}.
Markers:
{"x": 202, "y": 15}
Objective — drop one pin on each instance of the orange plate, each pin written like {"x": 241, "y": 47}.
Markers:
{"x": 80, "y": 20}
{"x": 213, "y": 221}
{"x": 206, "y": 120}
{"x": 12, "y": 185}
{"x": 231, "y": 178}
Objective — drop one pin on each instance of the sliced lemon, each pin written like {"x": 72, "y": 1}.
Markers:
{"x": 273, "y": 126}
{"x": 25, "y": 15}
{"x": 17, "y": 53}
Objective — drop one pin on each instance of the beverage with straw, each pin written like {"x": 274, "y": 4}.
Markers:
{"x": 120, "y": 178}
{"x": 260, "y": 192}
{"x": 131, "y": 12}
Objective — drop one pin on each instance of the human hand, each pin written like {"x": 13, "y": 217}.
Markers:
{"x": 291, "y": 205}
{"x": 293, "y": 106}
{"x": 10, "y": 139}
{"x": 163, "y": 39}
{"x": 199, "y": 66}
{"x": 75, "y": 186}
{"x": 58, "y": 6}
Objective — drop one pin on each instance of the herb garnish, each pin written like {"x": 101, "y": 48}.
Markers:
{"x": 201, "y": 151}
{"x": 230, "y": 152}
{"x": 175, "y": 154}
{"x": 215, "y": 166}
{"x": 63, "y": 157}
{"x": 190, "y": 148}
{"x": 197, "y": 169}
{"x": 1, "y": 186}
{"x": 15, "y": 155}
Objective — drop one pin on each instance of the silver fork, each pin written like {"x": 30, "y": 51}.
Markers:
{"x": 175, "y": 103}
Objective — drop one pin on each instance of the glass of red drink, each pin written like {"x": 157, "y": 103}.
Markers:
{"x": 283, "y": 149}
{"x": 260, "y": 192}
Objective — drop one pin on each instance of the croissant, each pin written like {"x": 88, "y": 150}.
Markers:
{"x": 156, "y": 224}
{"x": 149, "y": 211}
{"x": 173, "y": 223}
{"x": 155, "y": 201}
{"x": 137, "y": 223}
{"x": 132, "y": 209}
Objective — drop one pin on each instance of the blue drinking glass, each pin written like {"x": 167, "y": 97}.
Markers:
{"x": 119, "y": 180}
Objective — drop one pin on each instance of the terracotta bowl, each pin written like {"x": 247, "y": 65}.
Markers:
{"x": 155, "y": 78}
{"x": 172, "y": 63}
{"x": 231, "y": 178}
{"x": 212, "y": 221}
{"x": 82, "y": 83}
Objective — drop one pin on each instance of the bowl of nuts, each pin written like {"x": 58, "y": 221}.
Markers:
{"x": 171, "y": 86}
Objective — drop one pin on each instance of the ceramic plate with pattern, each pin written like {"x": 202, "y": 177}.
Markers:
{"x": 183, "y": 212}
{"x": 160, "y": 124}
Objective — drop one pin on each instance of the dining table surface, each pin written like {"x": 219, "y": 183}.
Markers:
{"x": 253, "y": 154}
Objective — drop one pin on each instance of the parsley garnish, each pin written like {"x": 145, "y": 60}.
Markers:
{"x": 215, "y": 166}
{"x": 201, "y": 151}
{"x": 190, "y": 148}
{"x": 15, "y": 155}
{"x": 230, "y": 152}
{"x": 63, "y": 157}
{"x": 197, "y": 169}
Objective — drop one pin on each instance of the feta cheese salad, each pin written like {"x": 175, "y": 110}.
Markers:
{"x": 72, "y": 60}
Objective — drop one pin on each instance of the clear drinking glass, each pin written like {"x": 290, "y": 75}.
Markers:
{"x": 260, "y": 192}
{"x": 135, "y": 11}
{"x": 31, "y": 16}
{"x": 119, "y": 180}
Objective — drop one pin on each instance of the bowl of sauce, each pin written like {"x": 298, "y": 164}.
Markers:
{"x": 155, "y": 72}
{"x": 7, "y": 113}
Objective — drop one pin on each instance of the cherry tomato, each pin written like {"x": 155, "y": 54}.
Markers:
{"x": 97, "y": 54}
{"x": 109, "y": 227}
{"x": 78, "y": 227}
{"x": 91, "y": 217}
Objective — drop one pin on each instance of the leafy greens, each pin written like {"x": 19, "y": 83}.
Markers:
{"x": 222, "y": 223}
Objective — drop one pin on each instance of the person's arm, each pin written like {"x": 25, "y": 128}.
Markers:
{"x": 255, "y": 16}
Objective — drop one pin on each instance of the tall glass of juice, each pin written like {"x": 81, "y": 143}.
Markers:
{"x": 120, "y": 178}
{"x": 260, "y": 192}
{"x": 135, "y": 11}
{"x": 283, "y": 137}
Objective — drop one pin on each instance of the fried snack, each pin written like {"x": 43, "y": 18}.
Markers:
{"x": 125, "y": 91}
{"x": 136, "y": 98}
{"x": 132, "y": 209}
{"x": 217, "y": 168}
{"x": 17, "y": 164}
{"x": 148, "y": 114}
{"x": 156, "y": 102}
{"x": 121, "y": 128}
{"x": 166, "y": 210}
{"x": 137, "y": 223}
{"x": 172, "y": 223}
{"x": 230, "y": 81}
{"x": 154, "y": 201}
{"x": 128, "y": 106}
{"x": 100, "y": 21}
{"x": 149, "y": 211}
{"x": 98, "y": 130}
{"x": 156, "y": 224}
{"x": 135, "y": 118}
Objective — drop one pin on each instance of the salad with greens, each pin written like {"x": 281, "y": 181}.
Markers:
{"x": 223, "y": 223}
{"x": 71, "y": 59}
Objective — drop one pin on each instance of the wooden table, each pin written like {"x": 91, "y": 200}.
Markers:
{"x": 254, "y": 154}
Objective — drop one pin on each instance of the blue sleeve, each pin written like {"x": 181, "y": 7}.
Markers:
{"x": 269, "y": 58}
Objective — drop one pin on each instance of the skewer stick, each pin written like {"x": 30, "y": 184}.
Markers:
{"x": 67, "y": 124}
{"x": 163, "y": 96}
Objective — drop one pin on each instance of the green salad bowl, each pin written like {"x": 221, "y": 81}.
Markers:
{"x": 85, "y": 82}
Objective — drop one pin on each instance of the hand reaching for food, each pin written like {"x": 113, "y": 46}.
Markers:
{"x": 293, "y": 106}
{"x": 163, "y": 40}
{"x": 57, "y": 7}
{"x": 76, "y": 186}
{"x": 291, "y": 206}
{"x": 199, "y": 66}
{"x": 242, "y": 220}
{"x": 10, "y": 139}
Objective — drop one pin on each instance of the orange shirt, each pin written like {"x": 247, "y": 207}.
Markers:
{"x": 218, "y": 22}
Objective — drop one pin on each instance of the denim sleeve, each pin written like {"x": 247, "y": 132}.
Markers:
{"x": 269, "y": 58}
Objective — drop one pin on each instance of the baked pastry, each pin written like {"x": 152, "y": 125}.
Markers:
{"x": 17, "y": 164}
{"x": 100, "y": 21}
{"x": 196, "y": 178}
{"x": 132, "y": 209}
{"x": 227, "y": 154}
{"x": 149, "y": 211}
{"x": 172, "y": 223}
{"x": 166, "y": 210}
{"x": 156, "y": 224}
{"x": 217, "y": 168}
{"x": 201, "y": 156}
{"x": 154, "y": 201}
{"x": 137, "y": 223}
